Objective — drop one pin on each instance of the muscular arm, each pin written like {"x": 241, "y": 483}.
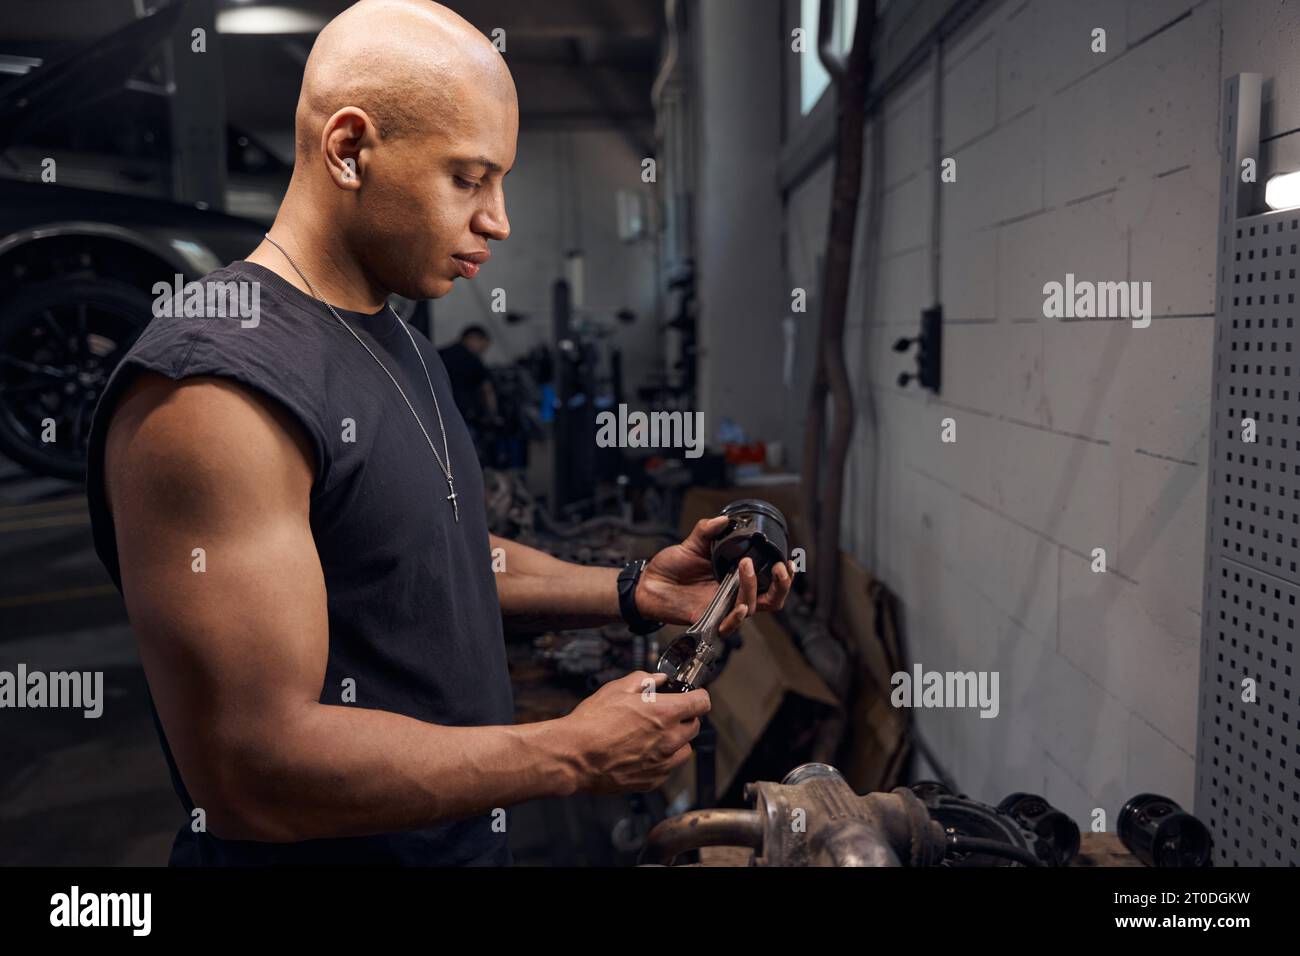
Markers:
{"x": 236, "y": 654}
{"x": 540, "y": 592}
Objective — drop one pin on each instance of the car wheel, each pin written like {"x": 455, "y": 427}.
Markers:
{"x": 60, "y": 339}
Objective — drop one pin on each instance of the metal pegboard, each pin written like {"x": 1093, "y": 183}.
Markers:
{"x": 1248, "y": 791}
{"x": 1248, "y": 753}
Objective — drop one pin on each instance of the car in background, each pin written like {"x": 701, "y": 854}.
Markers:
{"x": 76, "y": 270}
{"x": 77, "y": 264}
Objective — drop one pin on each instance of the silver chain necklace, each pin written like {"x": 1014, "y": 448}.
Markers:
{"x": 446, "y": 468}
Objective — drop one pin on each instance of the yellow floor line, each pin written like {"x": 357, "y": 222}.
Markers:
{"x": 20, "y": 600}
{"x": 55, "y": 504}
{"x": 53, "y": 521}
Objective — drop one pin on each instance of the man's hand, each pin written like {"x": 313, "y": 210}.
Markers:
{"x": 630, "y": 737}
{"x": 678, "y": 583}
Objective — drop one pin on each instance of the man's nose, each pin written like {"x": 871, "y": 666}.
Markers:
{"x": 491, "y": 221}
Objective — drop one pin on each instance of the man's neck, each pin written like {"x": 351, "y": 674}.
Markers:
{"x": 323, "y": 259}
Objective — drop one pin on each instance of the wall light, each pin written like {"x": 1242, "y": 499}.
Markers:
{"x": 1283, "y": 191}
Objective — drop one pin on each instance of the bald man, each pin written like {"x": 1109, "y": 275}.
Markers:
{"x": 291, "y": 506}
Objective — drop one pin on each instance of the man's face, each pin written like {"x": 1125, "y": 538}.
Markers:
{"x": 435, "y": 200}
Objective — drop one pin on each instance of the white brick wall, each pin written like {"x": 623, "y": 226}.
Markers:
{"x": 1260, "y": 36}
{"x": 1071, "y": 435}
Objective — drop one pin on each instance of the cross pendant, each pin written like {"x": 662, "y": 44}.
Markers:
{"x": 455, "y": 506}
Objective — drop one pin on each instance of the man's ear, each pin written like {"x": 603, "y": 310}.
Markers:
{"x": 341, "y": 146}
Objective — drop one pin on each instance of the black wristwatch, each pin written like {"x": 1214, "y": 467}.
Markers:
{"x": 627, "y": 582}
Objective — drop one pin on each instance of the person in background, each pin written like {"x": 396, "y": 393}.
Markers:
{"x": 470, "y": 381}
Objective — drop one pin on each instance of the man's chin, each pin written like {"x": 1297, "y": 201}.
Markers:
{"x": 436, "y": 288}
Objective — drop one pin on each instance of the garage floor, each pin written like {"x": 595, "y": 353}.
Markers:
{"x": 75, "y": 790}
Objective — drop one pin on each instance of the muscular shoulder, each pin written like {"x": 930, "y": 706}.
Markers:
{"x": 203, "y": 446}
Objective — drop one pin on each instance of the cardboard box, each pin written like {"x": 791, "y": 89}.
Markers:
{"x": 878, "y": 740}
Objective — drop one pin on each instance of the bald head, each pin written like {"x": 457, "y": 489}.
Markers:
{"x": 406, "y": 128}
{"x": 405, "y": 63}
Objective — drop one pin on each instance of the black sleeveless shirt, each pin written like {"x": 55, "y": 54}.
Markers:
{"x": 413, "y": 612}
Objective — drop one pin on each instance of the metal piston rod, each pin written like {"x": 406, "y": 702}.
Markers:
{"x": 705, "y": 642}
{"x": 757, "y": 531}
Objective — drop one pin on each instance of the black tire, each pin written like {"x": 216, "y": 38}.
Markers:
{"x": 60, "y": 339}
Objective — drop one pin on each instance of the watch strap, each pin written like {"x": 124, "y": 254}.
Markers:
{"x": 628, "y": 579}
